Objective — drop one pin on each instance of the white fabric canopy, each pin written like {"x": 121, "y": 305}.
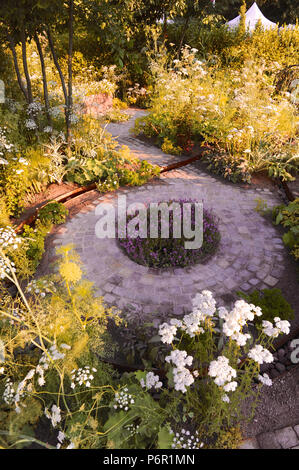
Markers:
{"x": 253, "y": 15}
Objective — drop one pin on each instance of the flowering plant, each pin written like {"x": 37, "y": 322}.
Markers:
{"x": 166, "y": 252}
{"x": 215, "y": 358}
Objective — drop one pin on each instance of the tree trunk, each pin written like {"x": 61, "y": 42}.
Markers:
{"x": 45, "y": 84}
{"x": 183, "y": 36}
{"x": 17, "y": 69}
{"x": 25, "y": 66}
{"x": 70, "y": 71}
{"x": 51, "y": 45}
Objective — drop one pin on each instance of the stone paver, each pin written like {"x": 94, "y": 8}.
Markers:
{"x": 248, "y": 254}
{"x": 268, "y": 440}
{"x": 285, "y": 438}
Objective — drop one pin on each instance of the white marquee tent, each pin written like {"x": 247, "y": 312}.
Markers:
{"x": 253, "y": 15}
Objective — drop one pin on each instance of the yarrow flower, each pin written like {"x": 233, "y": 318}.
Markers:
{"x": 204, "y": 306}
{"x": 260, "y": 354}
{"x": 223, "y": 373}
{"x": 235, "y": 320}
{"x": 167, "y": 332}
{"x": 179, "y": 358}
{"x": 151, "y": 381}
{"x": 182, "y": 377}
{"x": 281, "y": 326}
{"x": 265, "y": 379}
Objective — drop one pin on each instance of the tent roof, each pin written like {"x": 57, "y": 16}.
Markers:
{"x": 253, "y": 15}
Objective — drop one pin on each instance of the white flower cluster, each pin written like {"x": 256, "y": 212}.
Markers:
{"x": 82, "y": 376}
{"x": 9, "y": 393}
{"x": 8, "y": 238}
{"x": 41, "y": 287}
{"x": 281, "y": 326}
{"x": 260, "y": 354}
{"x": 54, "y": 415}
{"x": 55, "y": 111}
{"x": 5, "y": 145}
{"x": 34, "y": 108}
{"x": 182, "y": 377}
{"x": 43, "y": 365}
{"x": 179, "y": 358}
{"x": 30, "y": 124}
{"x": 53, "y": 354}
{"x": 237, "y": 318}
{"x": 151, "y": 381}
{"x": 73, "y": 119}
{"x": 61, "y": 438}
{"x": 24, "y": 386}
{"x": 123, "y": 400}
{"x": 6, "y": 267}
{"x": 223, "y": 374}
{"x": 48, "y": 130}
{"x": 204, "y": 306}
{"x": 132, "y": 429}
{"x": 265, "y": 379}
{"x": 167, "y": 332}
{"x": 186, "y": 440}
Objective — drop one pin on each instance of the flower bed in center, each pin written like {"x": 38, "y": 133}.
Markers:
{"x": 171, "y": 252}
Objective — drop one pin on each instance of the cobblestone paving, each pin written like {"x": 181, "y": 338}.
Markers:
{"x": 250, "y": 255}
{"x": 285, "y": 438}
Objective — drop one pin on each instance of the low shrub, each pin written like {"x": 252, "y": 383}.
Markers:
{"x": 272, "y": 303}
{"x": 53, "y": 213}
{"x": 288, "y": 217}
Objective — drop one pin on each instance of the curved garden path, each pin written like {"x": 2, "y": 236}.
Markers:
{"x": 251, "y": 253}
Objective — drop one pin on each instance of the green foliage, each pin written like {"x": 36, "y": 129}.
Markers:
{"x": 272, "y": 303}
{"x": 229, "y": 439}
{"x": 98, "y": 161}
{"x": 4, "y": 216}
{"x": 231, "y": 167}
{"x": 247, "y": 128}
{"x": 53, "y": 213}
{"x": 48, "y": 332}
{"x": 288, "y": 217}
{"x": 36, "y": 242}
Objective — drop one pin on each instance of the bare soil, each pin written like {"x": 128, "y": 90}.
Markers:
{"x": 278, "y": 405}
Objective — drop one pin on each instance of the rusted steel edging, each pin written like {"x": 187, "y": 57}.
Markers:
{"x": 62, "y": 198}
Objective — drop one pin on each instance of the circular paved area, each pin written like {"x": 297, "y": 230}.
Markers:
{"x": 250, "y": 255}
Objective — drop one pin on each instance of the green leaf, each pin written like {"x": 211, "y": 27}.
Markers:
{"x": 164, "y": 438}
{"x": 155, "y": 339}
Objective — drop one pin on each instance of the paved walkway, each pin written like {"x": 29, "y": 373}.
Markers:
{"x": 285, "y": 438}
{"x": 250, "y": 255}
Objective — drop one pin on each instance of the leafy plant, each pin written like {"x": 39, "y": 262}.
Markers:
{"x": 53, "y": 213}
{"x": 288, "y": 217}
{"x": 272, "y": 303}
